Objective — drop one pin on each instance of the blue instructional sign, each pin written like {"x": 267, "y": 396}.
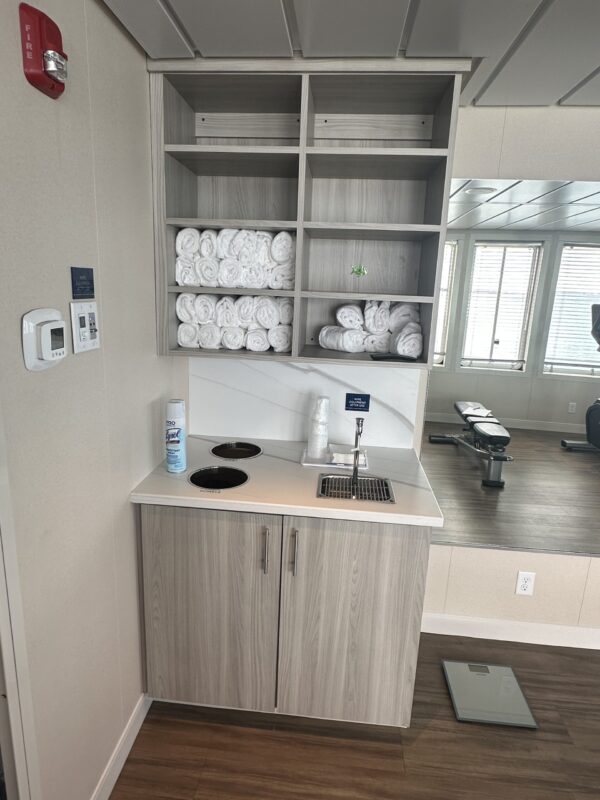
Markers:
{"x": 82, "y": 283}
{"x": 358, "y": 402}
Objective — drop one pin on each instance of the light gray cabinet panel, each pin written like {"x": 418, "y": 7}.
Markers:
{"x": 211, "y": 597}
{"x": 351, "y": 605}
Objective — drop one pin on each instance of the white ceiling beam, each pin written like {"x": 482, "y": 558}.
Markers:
{"x": 153, "y": 28}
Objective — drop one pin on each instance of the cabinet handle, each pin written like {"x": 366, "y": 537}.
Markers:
{"x": 266, "y": 552}
{"x": 295, "y": 558}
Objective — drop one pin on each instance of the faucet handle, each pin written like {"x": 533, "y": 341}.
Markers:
{"x": 359, "y": 424}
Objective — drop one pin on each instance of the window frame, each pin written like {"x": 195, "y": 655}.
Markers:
{"x": 454, "y": 283}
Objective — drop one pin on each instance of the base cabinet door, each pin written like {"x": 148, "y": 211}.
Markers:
{"x": 351, "y": 606}
{"x": 211, "y": 599}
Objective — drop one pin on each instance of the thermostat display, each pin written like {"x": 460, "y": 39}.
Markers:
{"x": 43, "y": 331}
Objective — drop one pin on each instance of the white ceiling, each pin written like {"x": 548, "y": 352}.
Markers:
{"x": 524, "y": 205}
{"x": 526, "y": 52}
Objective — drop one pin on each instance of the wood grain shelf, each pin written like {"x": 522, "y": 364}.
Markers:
{"x": 224, "y": 290}
{"x": 370, "y": 230}
{"x": 312, "y": 352}
{"x": 349, "y": 297}
{"x": 191, "y": 352}
{"x": 244, "y": 224}
{"x": 239, "y": 162}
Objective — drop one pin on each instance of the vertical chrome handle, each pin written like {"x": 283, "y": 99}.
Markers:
{"x": 295, "y": 558}
{"x": 267, "y": 533}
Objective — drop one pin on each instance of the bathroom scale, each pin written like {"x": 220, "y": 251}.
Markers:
{"x": 487, "y": 693}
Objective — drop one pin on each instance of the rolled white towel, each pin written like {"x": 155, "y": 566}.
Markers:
{"x": 233, "y": 338}
{"x": 225, "y": 313}
{"x": 187, "y": 242}
{"x": 255, "y": 276}
{"x": 281, "y": 276}
{"x": 184, "y": 308}
{"x": 209, "y": 336}
{"x": 257, "y": 340}
{"x": 207, "y": 246}
{"x": 350, "y": 316}
{"x": 346, "y": 340}
{"x": 401, "y": 313}
{"x": 245, "y": 308}
{"x": 208, "y": 270}
{"x": 230, "y": 273}
{"x": 377, "y": 316}
{"x": 280, "y": 338}
{"x": 188, "y": 335}
{"x": 264, "y": 239}
{"x": 286, "y": 310}
{"x": 267, "y": 312}
{"x": 185, "y": 272}
{"x": 224, "y": 239}
{"x": 243, "y": 247}
{"x": 204, "y": 306}
{"x": 283, "y": 248}
{"x": 378, "y": 342}
{"x": 408, "y": 342}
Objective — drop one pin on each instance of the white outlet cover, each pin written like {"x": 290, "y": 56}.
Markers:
{"x": 525, "y": 583}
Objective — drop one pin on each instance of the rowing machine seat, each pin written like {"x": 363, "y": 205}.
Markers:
{"x": 473, "y": 420}
{"x": 492, "y": 434}
{"x": 471, "y": 408}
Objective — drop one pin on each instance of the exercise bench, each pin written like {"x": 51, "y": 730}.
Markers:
{"x": 483, "y": 435}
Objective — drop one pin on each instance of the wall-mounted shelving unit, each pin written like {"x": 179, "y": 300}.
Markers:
{"x": 357, "y": 166}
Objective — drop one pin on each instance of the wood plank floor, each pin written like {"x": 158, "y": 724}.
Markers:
{"x": 551, "y": 501}
{"x": 183, "y": 753}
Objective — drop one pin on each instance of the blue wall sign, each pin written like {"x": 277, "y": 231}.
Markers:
{"x": 82, "y": 283}
{"x": 357, "y": 402}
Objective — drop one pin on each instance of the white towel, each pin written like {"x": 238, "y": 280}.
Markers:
{"x": 209, "y": 336}
{"x": 233, "y": 338}
{"x": 225, "y": 313}
{"x": 346, "y": 340}
{"x": 204, "y": 306}
{"x": 350, "y": 316}
{"x": 207, "y": 246}
{"x": 230, "y": 273}
{"x": 377, "y": 316}
{"x": 283, "y": 248}
{"x": 378, "y": 342}
{"x": 401, "y": 313}
{"x": 408, "y": 342}
{"x": 208, "y": 270}
{"x": 281, "y": 276}
{"x": 264, "y": 239}
{"x": 185, "y": 272}
{"x": 255, "y": 276}
{"x": 280, "y": 338}
{"x": 286, "y": 310}
{"x": 188, "y": 335}
{"x": 267, "y": 312}
{"x": 187, "y": 242}
{"x": 184, "y": 308}
{"x": 257, "y": 340}
{"x": 243, "y": 247}
{"x": 224, "y": 239}
{"x": 245, "y": 308}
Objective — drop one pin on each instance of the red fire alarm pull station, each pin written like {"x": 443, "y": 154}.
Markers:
{"x": 44, "y": 62}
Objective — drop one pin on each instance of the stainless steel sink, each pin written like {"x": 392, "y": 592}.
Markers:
{"x": 218, "y": 477}
{"x": 364, "y": 487}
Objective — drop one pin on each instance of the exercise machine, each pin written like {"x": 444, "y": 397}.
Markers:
{"x": 482, "y": 435}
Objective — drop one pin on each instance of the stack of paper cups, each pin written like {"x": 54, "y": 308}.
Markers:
{"x": 318, "y": 430}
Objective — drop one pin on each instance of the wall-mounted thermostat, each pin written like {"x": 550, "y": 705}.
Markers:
{"x": 44, "y": 338}
{"x": 84, "y": 322}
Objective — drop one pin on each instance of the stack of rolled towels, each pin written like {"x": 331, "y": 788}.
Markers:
{"x": 235, "y": 259}
{"x": 380, "y": 327}
{"x": 211, "y": 322}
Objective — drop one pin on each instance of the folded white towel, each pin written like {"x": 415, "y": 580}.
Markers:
{"x": 224, "y": 239}
{"x": 245, "y": 308}
{"x": 185, "y": 272}
{"x": 267, "y": 312}
{"x": 280, "y": 338}
{"x": 184, "y": 308}
{"x": 257, "y": 340}
{"x": 204, "y": 306}
{"x": 187, "y": 242}
{"x": 208, "y": 270}
{"x": 230, "y": 273}
{"x": 346, "y": 340}
{"x": 286, "y": 310}
{"x": 225, "y": 313}
{"x": 243, "y": 247}
{"x": 378, "y": 342}
{"x": 283, "y": 248}
{"x": 264, "y": 239}
{"x": 188, "y": 335}
{"x": 281, "y": 276}
{"x": 255, "y": 276}
{"x": 401, "y": 313}
{"x": 350, "y": 316}
{"x": 207, "y": 246}
{"x": 377, "y": 316}
{"x": 209, "y": 336}
{"x": 408, "y": 342}
{"x": 233, "y": 338}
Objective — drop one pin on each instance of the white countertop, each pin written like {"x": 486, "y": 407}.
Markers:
{"x": 278, "y": 484}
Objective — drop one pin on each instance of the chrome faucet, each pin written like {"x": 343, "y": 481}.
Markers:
{"x": 357, "y": 435}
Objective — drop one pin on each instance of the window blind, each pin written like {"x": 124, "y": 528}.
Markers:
{"x": 441, "y": 330}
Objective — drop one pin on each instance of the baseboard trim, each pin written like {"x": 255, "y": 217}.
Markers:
{"x": 511, "y": 631}
{"x": 527, "y": 424}
{"x": 119, "y": 755}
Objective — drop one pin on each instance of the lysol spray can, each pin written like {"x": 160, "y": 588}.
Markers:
{"x": 175, "y": 436}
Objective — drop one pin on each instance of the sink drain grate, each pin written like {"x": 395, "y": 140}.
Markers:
{"x": 342, "y": 487}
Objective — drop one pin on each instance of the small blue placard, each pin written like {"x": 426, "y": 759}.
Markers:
{"x": 82, "y": 283}
{"x": 358, "y": 402}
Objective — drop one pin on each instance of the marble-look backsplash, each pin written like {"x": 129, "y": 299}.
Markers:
{"x": 256, "y": 399}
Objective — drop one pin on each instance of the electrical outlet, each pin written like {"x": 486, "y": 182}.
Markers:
{"x": 525, "y": 583}
{"x": 571, "y": 408}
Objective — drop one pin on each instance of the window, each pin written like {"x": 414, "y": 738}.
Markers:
{"x": 441, "y": 330}
{"x": 570, "y": 348}
{"x": 499, "y": 306}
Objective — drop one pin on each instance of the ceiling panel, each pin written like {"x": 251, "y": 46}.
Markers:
{"x": 235, "y": 28}
{"x": 589, "y": 215}
{"x": 526, "y": 191}
{"x": 480, "y": 214}
{"x": 514, "y": 216}
{"x": 456, "y": 210}
{"x": 456, "y": 184}
{"x": 559, "y": 52}
{"x": 337, "y": 28}
{"x": 464, "y": 194}
{"x": 583, "y": 192}
{"x": 152, "y": 27}
{"x": 552, "y": 215}
{"x": 587, "y": 95}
